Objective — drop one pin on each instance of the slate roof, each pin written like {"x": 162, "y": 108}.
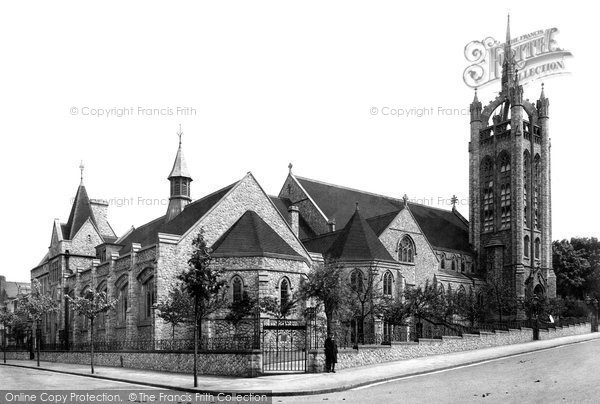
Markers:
{"x": 445, "y": 229}
{"x": 147, "y": 234}
{"x": 251, "y": 236}
{"x": 80, "y": 212}
{"x": 282, "y": 205}
{"x": 356, "y": 242}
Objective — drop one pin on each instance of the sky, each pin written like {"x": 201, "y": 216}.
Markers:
{"x": 255, "y": 86}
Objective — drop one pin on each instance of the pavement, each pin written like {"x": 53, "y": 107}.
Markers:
{"x": 304, "y": 383}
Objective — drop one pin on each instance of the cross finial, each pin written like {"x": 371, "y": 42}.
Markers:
{"x": 405, "y": 199}
{"x": 179, "y": 133}
{"x": 290, "y": 166}
{"x": 454, "y": 201}
{"x": 81, "y": 168}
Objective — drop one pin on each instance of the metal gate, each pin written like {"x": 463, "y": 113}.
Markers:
{"x": 284, "y": 347}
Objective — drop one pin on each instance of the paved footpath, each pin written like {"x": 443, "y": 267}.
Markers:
{"x": 305, "y": 383}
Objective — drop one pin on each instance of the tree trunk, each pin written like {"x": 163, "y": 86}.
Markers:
{"x": 173, "y": 333}
{"x": 92, "y": 344}
{"x": 196, "y": 342}
{"x": 4, "y": 343}
{"x": 37, "y": 342}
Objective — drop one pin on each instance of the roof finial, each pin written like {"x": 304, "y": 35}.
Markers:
{"x": 454, "y": 201}
{"x": 290, "y": 166}
{"x": 508, "y": 29}
{"x": 356, "y": 208}
{"x": 405, "y": 199}
{"x": 475, "y": 99}
{"x": 542, "y": 95}
{"x": 179, "y": 133}
{"x": 81, "y": 168}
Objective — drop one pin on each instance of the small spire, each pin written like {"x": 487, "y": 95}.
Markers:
{"x": 454, "y": 201}
{"x": 508, "y": 29}
{"x": 475, "y": 99}
{"x": 179, "y": 133}
{"x": 542, "y": 95}
{"x": 290, "y": 166}
{"x": 81, "y": 168}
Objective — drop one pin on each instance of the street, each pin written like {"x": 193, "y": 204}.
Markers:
{"x": 567, "y": 374}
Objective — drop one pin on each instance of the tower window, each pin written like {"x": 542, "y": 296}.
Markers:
{"x": 505, "y": 206}
{"x": 537, "y": 248}
{"x": 536, "y": 191}
{"x": 487, "y": 193}
{"x": 284, "y": 292}
{"x": 526, "y": 246}
{"x": 453, "y": 265}
{"x": 526, "y": 169}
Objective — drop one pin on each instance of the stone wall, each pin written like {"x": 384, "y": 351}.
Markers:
{"x": 373, "y": 354}
{"x": 241, "y": 364}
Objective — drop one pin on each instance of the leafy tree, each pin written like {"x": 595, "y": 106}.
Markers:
{"x": 423, "y": 301}
{"x": 471, "y": 307}
{"x": 572, "y": 269}
{"x": 6, "y": 320}
{"x": 91, "y": 306}
{"x": 325, "y": 285}
{"x": 33, "y": 307}
{"x": 176, "y": 309}
{"x": 240, "y": 310}
{"x": 366, "y": 299}
{"x": 205, "y": 285}
{"x": 499, "y": 294}
{"x": 279, "y": 310}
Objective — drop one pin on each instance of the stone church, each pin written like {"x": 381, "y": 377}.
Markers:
{"x": 267, "y": 243}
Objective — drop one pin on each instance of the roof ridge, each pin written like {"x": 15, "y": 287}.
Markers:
{"x": 373, "y": 194}
{"x": 394, "y": 212}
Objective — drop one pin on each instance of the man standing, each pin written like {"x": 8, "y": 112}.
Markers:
{"x": 330, "y": 353}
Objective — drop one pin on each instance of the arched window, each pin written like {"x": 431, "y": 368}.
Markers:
{"x": 537, "y": 248}
{"x": 462, "y": 266}
{"x": 388, "y": 279}
{"x": 406, "y": 250}
{"x": 504, "y": 179}
{"x": 284, "y": 291}
{"x": 356, "y": 281}
{"x": 453, "y": 265}
{"x": 443, "y": 262}
{"x": 526, "y": 244}
{"x": 122, "y": 286}
{"x": 536, "y": 191}
{"x": 487, "y": 193}
{"x": 526, "y": 177}
{"x": 237, "y": 287}
{"x": 101, "y": 319}
{"x": 149, "y": 298}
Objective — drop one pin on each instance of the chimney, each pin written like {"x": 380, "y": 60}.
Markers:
{"x": 331, "y": 225}
{"x": 294, "y": 219}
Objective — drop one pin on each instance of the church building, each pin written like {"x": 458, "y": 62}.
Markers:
{"x": 266, "y": 244}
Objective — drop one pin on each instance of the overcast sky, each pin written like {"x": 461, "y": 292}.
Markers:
{"x": 267, "y": 83}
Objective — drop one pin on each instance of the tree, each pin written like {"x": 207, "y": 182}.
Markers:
{"x": 205, "y": 285}
{"x": 471, "y": 307}
{"x": 91, "y": 306}
{"x": 279, "y": 310}
{"x": 240, "y": 310}
{"x": 325, "y": 285}
{"x": 423, "y": 302}
{"x": 6, "y": 320}
{"x": 33, "y": 307}
{"x": 366, "y": 299}
{"x": 572, "y": 269}
{"x": 176, "y": 309}
{"x": 499, "y": 294}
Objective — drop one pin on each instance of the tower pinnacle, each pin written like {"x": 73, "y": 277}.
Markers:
{"x": 81, "y": 168}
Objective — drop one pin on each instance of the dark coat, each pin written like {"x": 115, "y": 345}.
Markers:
{"x": 331, "y": 350}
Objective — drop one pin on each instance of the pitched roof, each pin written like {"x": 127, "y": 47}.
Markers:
{"x": 282, "y": 205}
{"x": 80, "y": 212}
{"x": 251, "y": 236}
{"x": 147, "y": 234}
{"x": 179, "y": 166}
{"x": 356, "y": 241}
{"x": 444, "y": 229}
{"x": 13, "y": 289}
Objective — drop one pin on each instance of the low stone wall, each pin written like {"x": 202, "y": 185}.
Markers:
{"x": 565, "y": 331}
{"x": 373, "y": 354}
{"x": 16, "y": 355}
{"x": 242, "y": 364}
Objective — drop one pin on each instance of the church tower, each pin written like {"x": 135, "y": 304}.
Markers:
{"x": 509, "y": 186}
{"x": 180, "y": 180}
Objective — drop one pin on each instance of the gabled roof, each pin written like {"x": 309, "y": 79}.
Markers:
{"x": 282, "y": 205}
{"x": 356, "y": 242}
{"x": 445, "y": 229}
{"x": 147, "y": 234}
{"x": 251, "y": 236}
{"x": 14, "y": 289}
{"x": 80, "y": 212}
